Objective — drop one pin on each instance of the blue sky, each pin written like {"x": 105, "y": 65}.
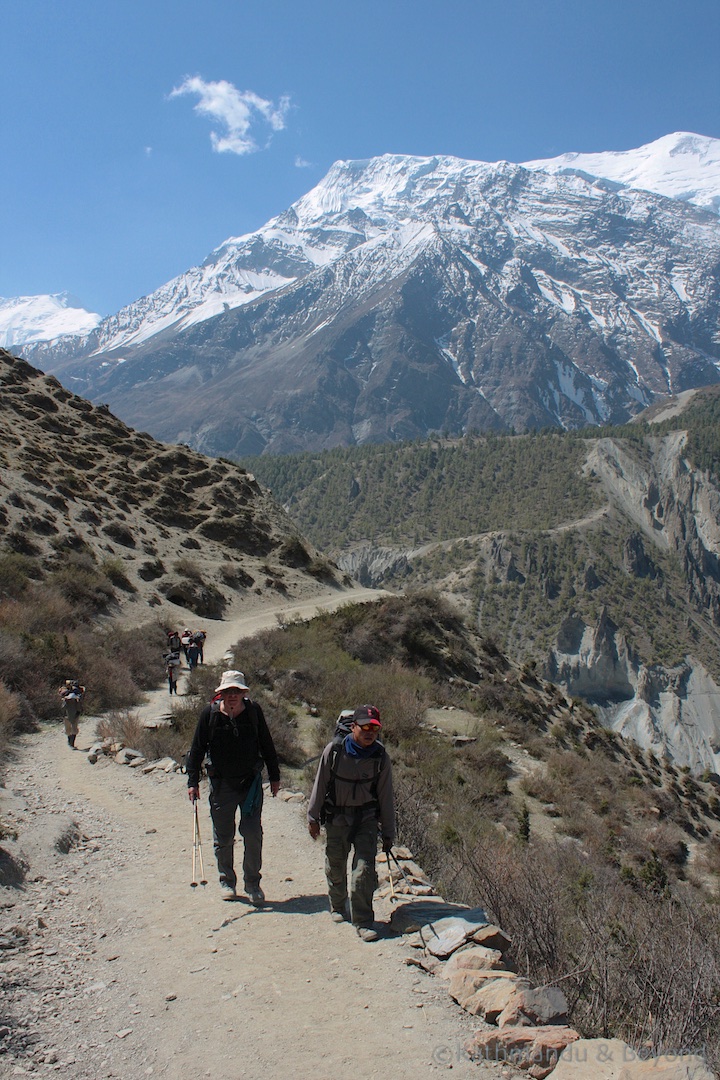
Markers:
{"x": 137, "y": 135}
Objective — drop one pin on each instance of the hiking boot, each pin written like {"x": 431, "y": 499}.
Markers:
{"x": 227, "y": 891}
{"x": 256, "y": 896}
{"x": 367, "y": 933}
{"x": 338, "y": 916}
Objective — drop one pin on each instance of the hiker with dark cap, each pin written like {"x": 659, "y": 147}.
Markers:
{"x": 353, "y": 797}
{"x": 234, "y": 735}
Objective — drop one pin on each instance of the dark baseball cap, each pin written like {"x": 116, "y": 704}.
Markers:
{"x": 367, "y": 714}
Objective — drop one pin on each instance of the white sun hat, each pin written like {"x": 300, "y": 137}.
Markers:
{"x": 232, "y": 680}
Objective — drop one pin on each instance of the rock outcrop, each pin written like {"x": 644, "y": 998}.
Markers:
{"x": 673, "y": 710}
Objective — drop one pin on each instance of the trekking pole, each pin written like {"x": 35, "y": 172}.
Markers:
{"x": 404, "y": 875}
{"x": 193, "y": 883}
{"x": 203, "y": 879}
{"x": 389, "y": 869}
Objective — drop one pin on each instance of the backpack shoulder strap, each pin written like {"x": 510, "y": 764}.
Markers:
{"x": 336, "y": 746}
{"x": 212, "y": 722}
{"x": 253, "y": 714}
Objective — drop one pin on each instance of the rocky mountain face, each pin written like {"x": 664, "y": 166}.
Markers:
{"x": 675, "y": 508}
{"x": 176, "y": 531}
{"x": 405, "y": 295}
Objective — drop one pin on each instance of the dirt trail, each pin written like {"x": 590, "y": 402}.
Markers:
{"x": 116, "y": 967}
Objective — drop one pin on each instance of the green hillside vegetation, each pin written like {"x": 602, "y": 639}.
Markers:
{"x": 581, "y": 574}
{"x": 549, "y": 558}
{"x": 702, "y": 421}
{"x": 582, "y": 855}
{"x": 423, "y": 491}
{"x": 578, "y": 572}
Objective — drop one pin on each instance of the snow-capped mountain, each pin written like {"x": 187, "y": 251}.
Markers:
{"x": 404, "y": 295}
{"x": 42, "y": 318}
{"x": 681, "y": 166}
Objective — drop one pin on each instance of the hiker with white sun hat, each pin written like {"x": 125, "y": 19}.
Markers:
{"x": 232, "y": 734}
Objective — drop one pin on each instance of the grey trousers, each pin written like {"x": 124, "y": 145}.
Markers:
{"x": 363, "y": 876}
{"x": 225, "y": 801}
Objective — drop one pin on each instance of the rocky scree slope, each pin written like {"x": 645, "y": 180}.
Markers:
{"x": 406, "y": 295}
{"x": 675, "y": 508}
{"x": 175, "y": 531}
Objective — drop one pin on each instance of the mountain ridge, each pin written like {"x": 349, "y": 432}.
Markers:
{"x": 41, "y": 318}
{"x": 408, "y": 295}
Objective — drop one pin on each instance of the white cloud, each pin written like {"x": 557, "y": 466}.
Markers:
{"x": 236, "y": 111}
{"x": 301, "y": 163}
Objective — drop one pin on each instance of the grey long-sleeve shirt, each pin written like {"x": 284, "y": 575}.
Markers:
{"x": 353, "y": 787}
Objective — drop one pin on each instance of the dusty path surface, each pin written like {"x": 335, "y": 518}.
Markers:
{"x": 111, "y": 965}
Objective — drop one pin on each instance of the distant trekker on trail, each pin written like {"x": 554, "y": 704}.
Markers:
{"x": 172, "y": 670}
{"x": 72, "y": 694}
{"x": 200, "y": 637}
{"x": 234, "y": 735}
{"x": 352, "y": 796}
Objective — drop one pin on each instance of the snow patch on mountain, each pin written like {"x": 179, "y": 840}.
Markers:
{"x": 681, "y": 166}
{"x": 42, "y": 318}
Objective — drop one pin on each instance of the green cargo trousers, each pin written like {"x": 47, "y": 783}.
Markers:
{"x": 363, "y": 877}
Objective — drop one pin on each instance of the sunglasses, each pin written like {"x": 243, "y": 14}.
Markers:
{"x": 368, "y": 727}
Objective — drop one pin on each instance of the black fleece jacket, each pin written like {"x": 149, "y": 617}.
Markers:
{"x": 238, "y": 747}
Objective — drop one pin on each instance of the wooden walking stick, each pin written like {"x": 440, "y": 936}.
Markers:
{"x": 193, "y": 883}
{"x": 203, "y": 879}
{"x": 392, "y": 887}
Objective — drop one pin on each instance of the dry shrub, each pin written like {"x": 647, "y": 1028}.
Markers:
{"x": 16, "y": 570}
{"x": 13, "y": 718}
{"x": 116, "y": 572}
{"x": 304, "y": 662}
{"x": 121, "y": 727}
{"x": 289, "y": 750}
{"x": 126, "y": 728}
{"x": 45, "y": 640}
{"x": 43, "y": 611}
{"x": 634, "y": 963}
{"x": 83, "y": 585}
{"x": 109, "y": 682}
{"x": 140, "y": 650}
{"x": 710, "y": 859}
{"x": 664, "y": 841}
{"x": 188, "y": 568}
